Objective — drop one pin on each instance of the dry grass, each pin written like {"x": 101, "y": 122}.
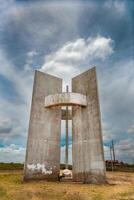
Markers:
{"x": 120, "y": 187}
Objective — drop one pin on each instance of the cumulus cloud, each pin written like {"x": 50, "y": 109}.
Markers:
{"x": 20, "y": 79}
{"x": 14, "y": 115}
{"x": 70, "y": 58}
{"x": 116, "y": 100}
{"x": 116, "y": 97}
{"x": 30, "y": 60}
{"x": 125, "y": 149}
{"x": 12, "y": 153}
{"x": 50, "y": 26}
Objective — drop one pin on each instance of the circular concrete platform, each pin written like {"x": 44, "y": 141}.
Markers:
{"x": 65, "y": 99}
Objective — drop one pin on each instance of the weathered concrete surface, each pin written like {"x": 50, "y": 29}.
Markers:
{"x": 65, "y": 99}
{"x": 43, "y": 148}
{"x": 88, "y": 156}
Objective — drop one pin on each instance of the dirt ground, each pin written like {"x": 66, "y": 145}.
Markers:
{"x": 120, "y": 187}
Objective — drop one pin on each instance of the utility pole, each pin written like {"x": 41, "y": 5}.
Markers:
{"x": 111, "y": 158}
{"x": 113, "y": 151}
{"x": 66, "y": 151}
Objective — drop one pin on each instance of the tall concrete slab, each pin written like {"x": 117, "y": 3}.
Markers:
{"x": 43, "y": 147}
{"x": 87, "y": 147}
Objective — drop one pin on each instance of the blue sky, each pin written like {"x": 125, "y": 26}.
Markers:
{"x": 65, "y": 39}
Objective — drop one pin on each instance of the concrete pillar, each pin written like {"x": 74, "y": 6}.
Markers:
{"x": 43, "y": 147}
{"x": 87, "y": 147}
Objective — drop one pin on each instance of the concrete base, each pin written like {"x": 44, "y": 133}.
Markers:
{"x": 89, "y": 178}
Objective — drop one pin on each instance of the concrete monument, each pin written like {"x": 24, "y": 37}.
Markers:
{"x": 43, "y": 146}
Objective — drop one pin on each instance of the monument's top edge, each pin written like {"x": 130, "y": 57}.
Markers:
{"x": 85, "y": 72}
{"x": 64, "y": 99}
{"x": 44, "y": 73}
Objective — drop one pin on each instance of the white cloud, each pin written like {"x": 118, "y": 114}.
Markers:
{"x": 116, "y": 100}
{"x": 12, "y": 153}
{"x": 21, "y": 79}
{"x": 5, "y": 8}
{"x": 124, "y": 150}
{"x": 52, "y": 24}
{"x": 14, "y": 115}
{"x": 116, "y": 96}
{"x": 71, "y": 57}
{"x": 30, "y": 59}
